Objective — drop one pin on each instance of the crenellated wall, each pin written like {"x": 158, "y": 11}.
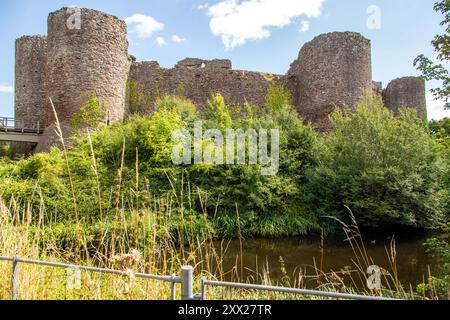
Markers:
{"x": 198, "y": 79}
{"x": 331, "y": 70}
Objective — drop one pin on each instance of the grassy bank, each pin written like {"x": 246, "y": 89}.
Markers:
{"x": 145, "y": 244}
{"x": 115, "y": 190}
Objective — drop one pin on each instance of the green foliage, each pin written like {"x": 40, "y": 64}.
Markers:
{"x": 438, "y": 287}
{"x": 90, "y": 114}
{"x": 218, "y": 113}
{"x": 159, "y": 135}
{"x": 432, "y": 70}
{"x": 185, "y": 108}
{"x": 138, "y": 101}
{"x": 5, "y": 149}
{"x": 278, "y": 99}
{"x": 384, "y": 168}
{"x": 125, "y": 167}
{"x": 440, "y": 129}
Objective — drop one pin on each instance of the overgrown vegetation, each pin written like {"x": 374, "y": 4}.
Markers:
{"x": 438, "y": 287}
{"x": 137, "y": 99}
{"x": 387, "y": 169}
{"x": 434, "y": 69}
{"x": 117, "y": 189}
{"x": 91, "y": 114}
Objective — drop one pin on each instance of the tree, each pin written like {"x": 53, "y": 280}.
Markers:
{"x": 218, "y": 112}
{"x": 432, "y": 70}
{"x": 383, "y": 167}
{"x": 441, "y": 131}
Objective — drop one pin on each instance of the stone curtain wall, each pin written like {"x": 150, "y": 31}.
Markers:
{"x": 31, "y": 52}
{"x": 92, "y": 59}
{"x": 332, "y": 69}
{"x": 197, "y": 79}
{"x": 407, "y": 92}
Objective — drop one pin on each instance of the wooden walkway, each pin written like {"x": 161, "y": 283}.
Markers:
{"x": 13, "y": 130}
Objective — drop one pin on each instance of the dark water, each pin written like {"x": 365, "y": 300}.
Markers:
{"x": 413, "y": 264}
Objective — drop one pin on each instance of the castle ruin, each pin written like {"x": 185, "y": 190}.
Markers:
{"x": 332, "y": 70}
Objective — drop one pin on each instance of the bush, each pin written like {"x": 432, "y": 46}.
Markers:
{"x": 386, "y": 169}
{"x": 90, "y": 114}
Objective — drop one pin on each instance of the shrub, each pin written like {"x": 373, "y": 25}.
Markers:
{"x": 385, "y": 168}
{"x": 90, "y": 114}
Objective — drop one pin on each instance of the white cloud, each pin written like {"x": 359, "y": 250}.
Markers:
{"x": 304, "y": 26}
{"x": 237, "y": 21}
{"x": 6, "y": 88}
{"x": 436, "y": 109}
{"x": 144, "y": 26}
{"x": 203, "y": 6}
{"x": 177, "y": 39}
{"x": 161, "y": 42}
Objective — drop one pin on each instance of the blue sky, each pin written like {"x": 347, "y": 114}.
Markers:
{"x": 260, "y": 35}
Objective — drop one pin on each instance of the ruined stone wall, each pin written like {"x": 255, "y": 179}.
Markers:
{"x": 30, "y": 91}
{"x": 332, "y": 69}
{"x": 377, "y": 87}
{"x": 197, "y": 79}
{"x": 407, "y": 92}
{"x": 93, "y": 58}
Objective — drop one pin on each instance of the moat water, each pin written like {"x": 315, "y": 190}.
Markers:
{"x": 294, "y": 261}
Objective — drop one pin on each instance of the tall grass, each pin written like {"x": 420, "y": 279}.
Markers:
{"x": 148, "y": 241}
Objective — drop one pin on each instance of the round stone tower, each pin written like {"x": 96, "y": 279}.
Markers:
{"x": 333, "y": 69}
{"x": 87, "y": 52}
{"x": 30, "y": 91}
{"x": 407, "y": 92}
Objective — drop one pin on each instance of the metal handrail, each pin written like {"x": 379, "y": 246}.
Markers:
{"x": 174, "y": 279}
{"x": 313, "y": 293}
{"x": 186, "y": 280}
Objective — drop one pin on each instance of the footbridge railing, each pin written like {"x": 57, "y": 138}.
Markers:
{"x": 18, "y": 126}
{"x": 16, "y": 130}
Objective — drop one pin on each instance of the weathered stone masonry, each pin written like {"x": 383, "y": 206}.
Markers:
{"x": 331, "y": 70}
{"x": 93, "y": 58}
{"x": 31, "y": 53}
{"x": 406, "y": 92}
{"x": 200, "y": 78}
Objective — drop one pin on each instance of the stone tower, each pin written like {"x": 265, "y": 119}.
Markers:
{"x": 91, "y": 57}
{"x": 407, "y": 92}
{"x": 332, "y": 70}
{"x": 31, "y": 52}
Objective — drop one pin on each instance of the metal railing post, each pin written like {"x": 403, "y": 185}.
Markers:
{"x": 187, "y": 283}
{"x": 203, "y": 294}
{"x": 15, "y": 280}
{"x": 172, "y": 288}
